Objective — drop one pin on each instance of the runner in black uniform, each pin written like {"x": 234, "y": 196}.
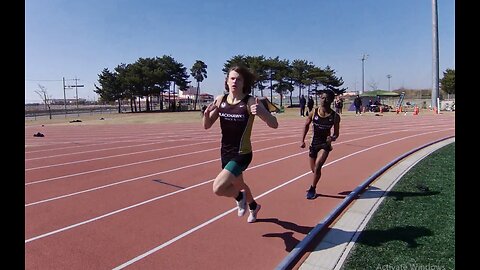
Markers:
{"x": 236, "y": 124}
{"x": 237, "y": 110}
{"x": 323, "y": 119}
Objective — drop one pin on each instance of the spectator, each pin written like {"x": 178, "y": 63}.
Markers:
{"x": 310, "y": 104}
{"x": 338, "y": 104}
{"x": 357, "y": 102}
{"x": 303, "y": 102}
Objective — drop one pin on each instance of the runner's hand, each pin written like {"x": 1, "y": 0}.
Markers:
{"x": 210, "y": 108}
{"x": 256, "y": 109}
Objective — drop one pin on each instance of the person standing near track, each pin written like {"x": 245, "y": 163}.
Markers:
{"x": 310, "y": 104}
{"x": 357, "y": 102}
{"x": 338, "y": 104}
{"x": 303, "y": 103}
{"x": 323, "y": 118}
{"x": 237, "y": 110}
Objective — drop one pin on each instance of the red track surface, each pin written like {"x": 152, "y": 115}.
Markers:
{"x": 140, "y": 196}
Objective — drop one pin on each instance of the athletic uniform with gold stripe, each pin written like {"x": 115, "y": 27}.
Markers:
{"x": 236, "y": 123}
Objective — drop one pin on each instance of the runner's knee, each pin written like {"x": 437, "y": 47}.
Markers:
{"x": 222, "y": 183}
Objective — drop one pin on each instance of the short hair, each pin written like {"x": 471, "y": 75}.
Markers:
{"x": 330, "y": 94}
{"x": 248, "y": 76}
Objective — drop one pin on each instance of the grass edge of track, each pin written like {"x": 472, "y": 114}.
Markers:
{"x": 414, "y": 227}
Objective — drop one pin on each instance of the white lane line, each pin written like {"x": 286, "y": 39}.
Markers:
{"x": 145, "y": 202}
{"x": 134, "y": 163}
{"x": 171, "y": 170}
{"x": 111, "y": 156}
{"x": 114, "y": 212}
{"x": 141, "y": 256}
{"x": 200, "y": 184}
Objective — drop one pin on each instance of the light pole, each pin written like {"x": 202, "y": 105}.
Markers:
{"x": 389, "y": 76}
{"x": 364, "y": 57}
{"x": 435, "y": 61}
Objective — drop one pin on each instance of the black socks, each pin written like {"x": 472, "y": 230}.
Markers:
{"x": 239, "y": 196}
{"x": 252, "y": 205}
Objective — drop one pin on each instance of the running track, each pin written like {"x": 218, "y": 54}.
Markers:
{"x": 140, "y": 196}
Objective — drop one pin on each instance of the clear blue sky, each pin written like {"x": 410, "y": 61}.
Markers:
{"x": 78, "y": 39}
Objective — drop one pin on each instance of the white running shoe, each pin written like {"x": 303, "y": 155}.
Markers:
{"x": 242, "y": 205}
{"x": 253, "y": 214}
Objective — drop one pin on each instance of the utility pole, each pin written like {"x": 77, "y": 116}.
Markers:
{"x": 364, "y": 57}
{"x": 435, "y": 68}
{"x": 76, "y": 90}
{"x": 389, "y": 76}
{"x": 64, "y": 97}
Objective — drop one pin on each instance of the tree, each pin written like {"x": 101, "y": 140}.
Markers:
{"x": 332, "y": 82}
{"x": 300, "y": 69}
{"x": 239, "y": 60}
{"x": 258, "y": 66}
{"x": 272, "y": 67}
{"x": 150, "y": 73}
{"x": 176, "y": 73}
{"x": 109, "y": 89}
{"x": 448, "y": 81}
{"x": 43, "y": 95}
{"x": 315, "y": 77}
{"x": 198, "y": 72}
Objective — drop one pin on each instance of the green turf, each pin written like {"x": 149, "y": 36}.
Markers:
{"x": 414, "y": 228}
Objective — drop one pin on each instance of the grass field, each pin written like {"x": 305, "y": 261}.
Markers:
{"x": 414, "y": 228}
